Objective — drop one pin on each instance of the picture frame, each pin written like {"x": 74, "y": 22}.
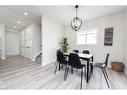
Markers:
{"x": 108, "y": 37}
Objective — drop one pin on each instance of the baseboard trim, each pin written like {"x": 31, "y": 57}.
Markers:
{"x": 52, "y": 60}
{"x": 3, "y": 58}
{"x": 12, "y": 54}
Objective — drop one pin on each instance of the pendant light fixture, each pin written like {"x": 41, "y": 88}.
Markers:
{"x": 76, "y": 22}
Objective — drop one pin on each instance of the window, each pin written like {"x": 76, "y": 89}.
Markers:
{"x": 87, "y": 37}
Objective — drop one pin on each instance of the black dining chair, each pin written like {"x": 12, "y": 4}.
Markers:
{"x": 60, "y": 60}
{"x": 74, "y": 62}
{"x": 103, "y": 66}
{"x": 85, "y": 52}
{"x": 76, "y": 51}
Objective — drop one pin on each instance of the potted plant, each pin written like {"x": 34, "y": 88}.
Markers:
{"x": 64, "y": 45}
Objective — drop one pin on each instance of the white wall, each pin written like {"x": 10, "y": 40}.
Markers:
{"x": 36, "y": 40}
{"x": 125, "y": 43}
{"x": 52, "y": 33}
{"x": 12, "y": 43}
{"x": 115, "y": 20}
{"x": 2, "y": 35}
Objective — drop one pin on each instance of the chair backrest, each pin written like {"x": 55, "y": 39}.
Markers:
{"x": 60, "y": 57}
{"x": 74, "y": 60}
{"x": 58, "y": 50}
{"x": 106, "y": 60}
{"x": 76, "y": 51}
{"x": 86, "y": 52}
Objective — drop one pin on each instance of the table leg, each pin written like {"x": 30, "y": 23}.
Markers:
{"x": 87, "y": 73}
{"x": 92, "y": 66}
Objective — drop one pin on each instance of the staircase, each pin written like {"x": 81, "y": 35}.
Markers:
{"x": 38, "y": 59}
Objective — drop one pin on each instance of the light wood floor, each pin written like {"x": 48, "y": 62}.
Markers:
{"x": 18, "y": 72}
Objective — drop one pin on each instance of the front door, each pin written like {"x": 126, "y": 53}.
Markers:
{"x": 28, "y": 43}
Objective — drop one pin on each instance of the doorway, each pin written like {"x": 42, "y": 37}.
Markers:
{"x": 26, "y": 43}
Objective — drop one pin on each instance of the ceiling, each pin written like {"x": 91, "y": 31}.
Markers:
{"x": 9, "y": 15}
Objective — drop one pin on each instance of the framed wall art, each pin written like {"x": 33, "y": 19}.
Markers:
{"x": 108, "y": 38}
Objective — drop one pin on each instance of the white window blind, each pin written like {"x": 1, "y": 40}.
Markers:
{"x": 87, "y": 37}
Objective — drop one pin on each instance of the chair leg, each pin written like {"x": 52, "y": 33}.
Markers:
{"x": 56, "y": 67}
{"x": 66, "y": 73}
{"x": 81, "y": 78}
{"x": 91, "y": 67}
{"x": 105, "y": 77}
{"x": 106, "y": 73}
{"x": 59, "y": 66}
{"x": 62, "y": 66}
{"x": 55, "y": 62}
{"x": 85, "y": 71}
{"x": 71, "y": 70}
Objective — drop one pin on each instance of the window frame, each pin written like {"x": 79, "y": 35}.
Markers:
{"x": 86, "y": 37}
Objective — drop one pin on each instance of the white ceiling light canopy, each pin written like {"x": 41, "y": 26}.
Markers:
{"x": 25, "y": 13}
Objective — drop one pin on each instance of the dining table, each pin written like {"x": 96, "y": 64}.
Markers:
{"x": 88, "y": 58}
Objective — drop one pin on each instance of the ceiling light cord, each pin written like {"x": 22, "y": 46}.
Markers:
{"x": 76, "y": 9}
